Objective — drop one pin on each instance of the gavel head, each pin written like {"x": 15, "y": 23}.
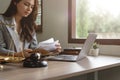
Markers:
{"x": 35, "y": 56}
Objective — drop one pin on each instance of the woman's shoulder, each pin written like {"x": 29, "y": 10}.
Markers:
{"x": 1, "y": 17}
{"x": 1, "y": 20}
{"x": 6, "y": 20}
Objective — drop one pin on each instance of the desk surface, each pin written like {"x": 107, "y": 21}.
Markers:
{"x": 58, "y": 69}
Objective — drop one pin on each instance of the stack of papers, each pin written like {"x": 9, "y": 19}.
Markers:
{"x": 48, "y": 44}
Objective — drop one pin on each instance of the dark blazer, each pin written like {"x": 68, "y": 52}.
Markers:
{"x": 8, "y": 40}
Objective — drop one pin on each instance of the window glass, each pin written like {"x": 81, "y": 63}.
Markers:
{"x": 98, "y": 16}
{"x": 38, "y": 20}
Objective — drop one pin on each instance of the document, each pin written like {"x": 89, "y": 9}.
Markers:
{"x": 48, "y": 45}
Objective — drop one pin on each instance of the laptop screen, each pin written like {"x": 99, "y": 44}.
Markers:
{"x": 87, "y": 46}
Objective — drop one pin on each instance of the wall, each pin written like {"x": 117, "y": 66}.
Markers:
{"x": 55, "y": 24}
{"x": 55, "y": 21}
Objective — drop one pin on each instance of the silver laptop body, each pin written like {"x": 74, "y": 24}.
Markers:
{"x": 83, "y": 53}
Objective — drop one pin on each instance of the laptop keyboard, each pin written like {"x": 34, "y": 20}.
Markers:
{"x": 66, "y": 57}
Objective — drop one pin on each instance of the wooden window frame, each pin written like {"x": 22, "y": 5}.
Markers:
{"x": 40, "y": 26}
{"x": 71, "y": 28}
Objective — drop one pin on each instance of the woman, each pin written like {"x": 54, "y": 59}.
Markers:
{"x": 17, "y": 28}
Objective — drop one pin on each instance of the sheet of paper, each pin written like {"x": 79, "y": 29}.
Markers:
{"x": 51, "y": 40}
{"x": 48, "y": 44}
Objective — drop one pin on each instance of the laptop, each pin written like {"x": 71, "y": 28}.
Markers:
{"x": 83, "y": 53}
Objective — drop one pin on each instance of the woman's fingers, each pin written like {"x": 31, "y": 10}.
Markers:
{"x": 58, "y": 47}
{"x": 28, "y": 50}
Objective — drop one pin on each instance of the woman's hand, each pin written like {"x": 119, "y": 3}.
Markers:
{"x": 25, "y": 53}
{"x": 58, "y": 48}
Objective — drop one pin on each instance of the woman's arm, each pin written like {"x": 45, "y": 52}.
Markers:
{"x": 34, "y": 42}
{"x": 3, "y": 46}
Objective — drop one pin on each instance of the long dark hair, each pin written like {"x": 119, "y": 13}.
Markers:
{"x": 28, "y": 25}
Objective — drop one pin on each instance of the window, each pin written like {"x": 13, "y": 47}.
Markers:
{"x": 39, "y": 17}
{"x": 94, "y": 16}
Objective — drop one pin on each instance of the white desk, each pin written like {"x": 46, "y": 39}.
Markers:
{"x": 59, "y": 70}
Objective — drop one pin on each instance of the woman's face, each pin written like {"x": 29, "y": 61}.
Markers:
{"x": 24, "y": 7}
